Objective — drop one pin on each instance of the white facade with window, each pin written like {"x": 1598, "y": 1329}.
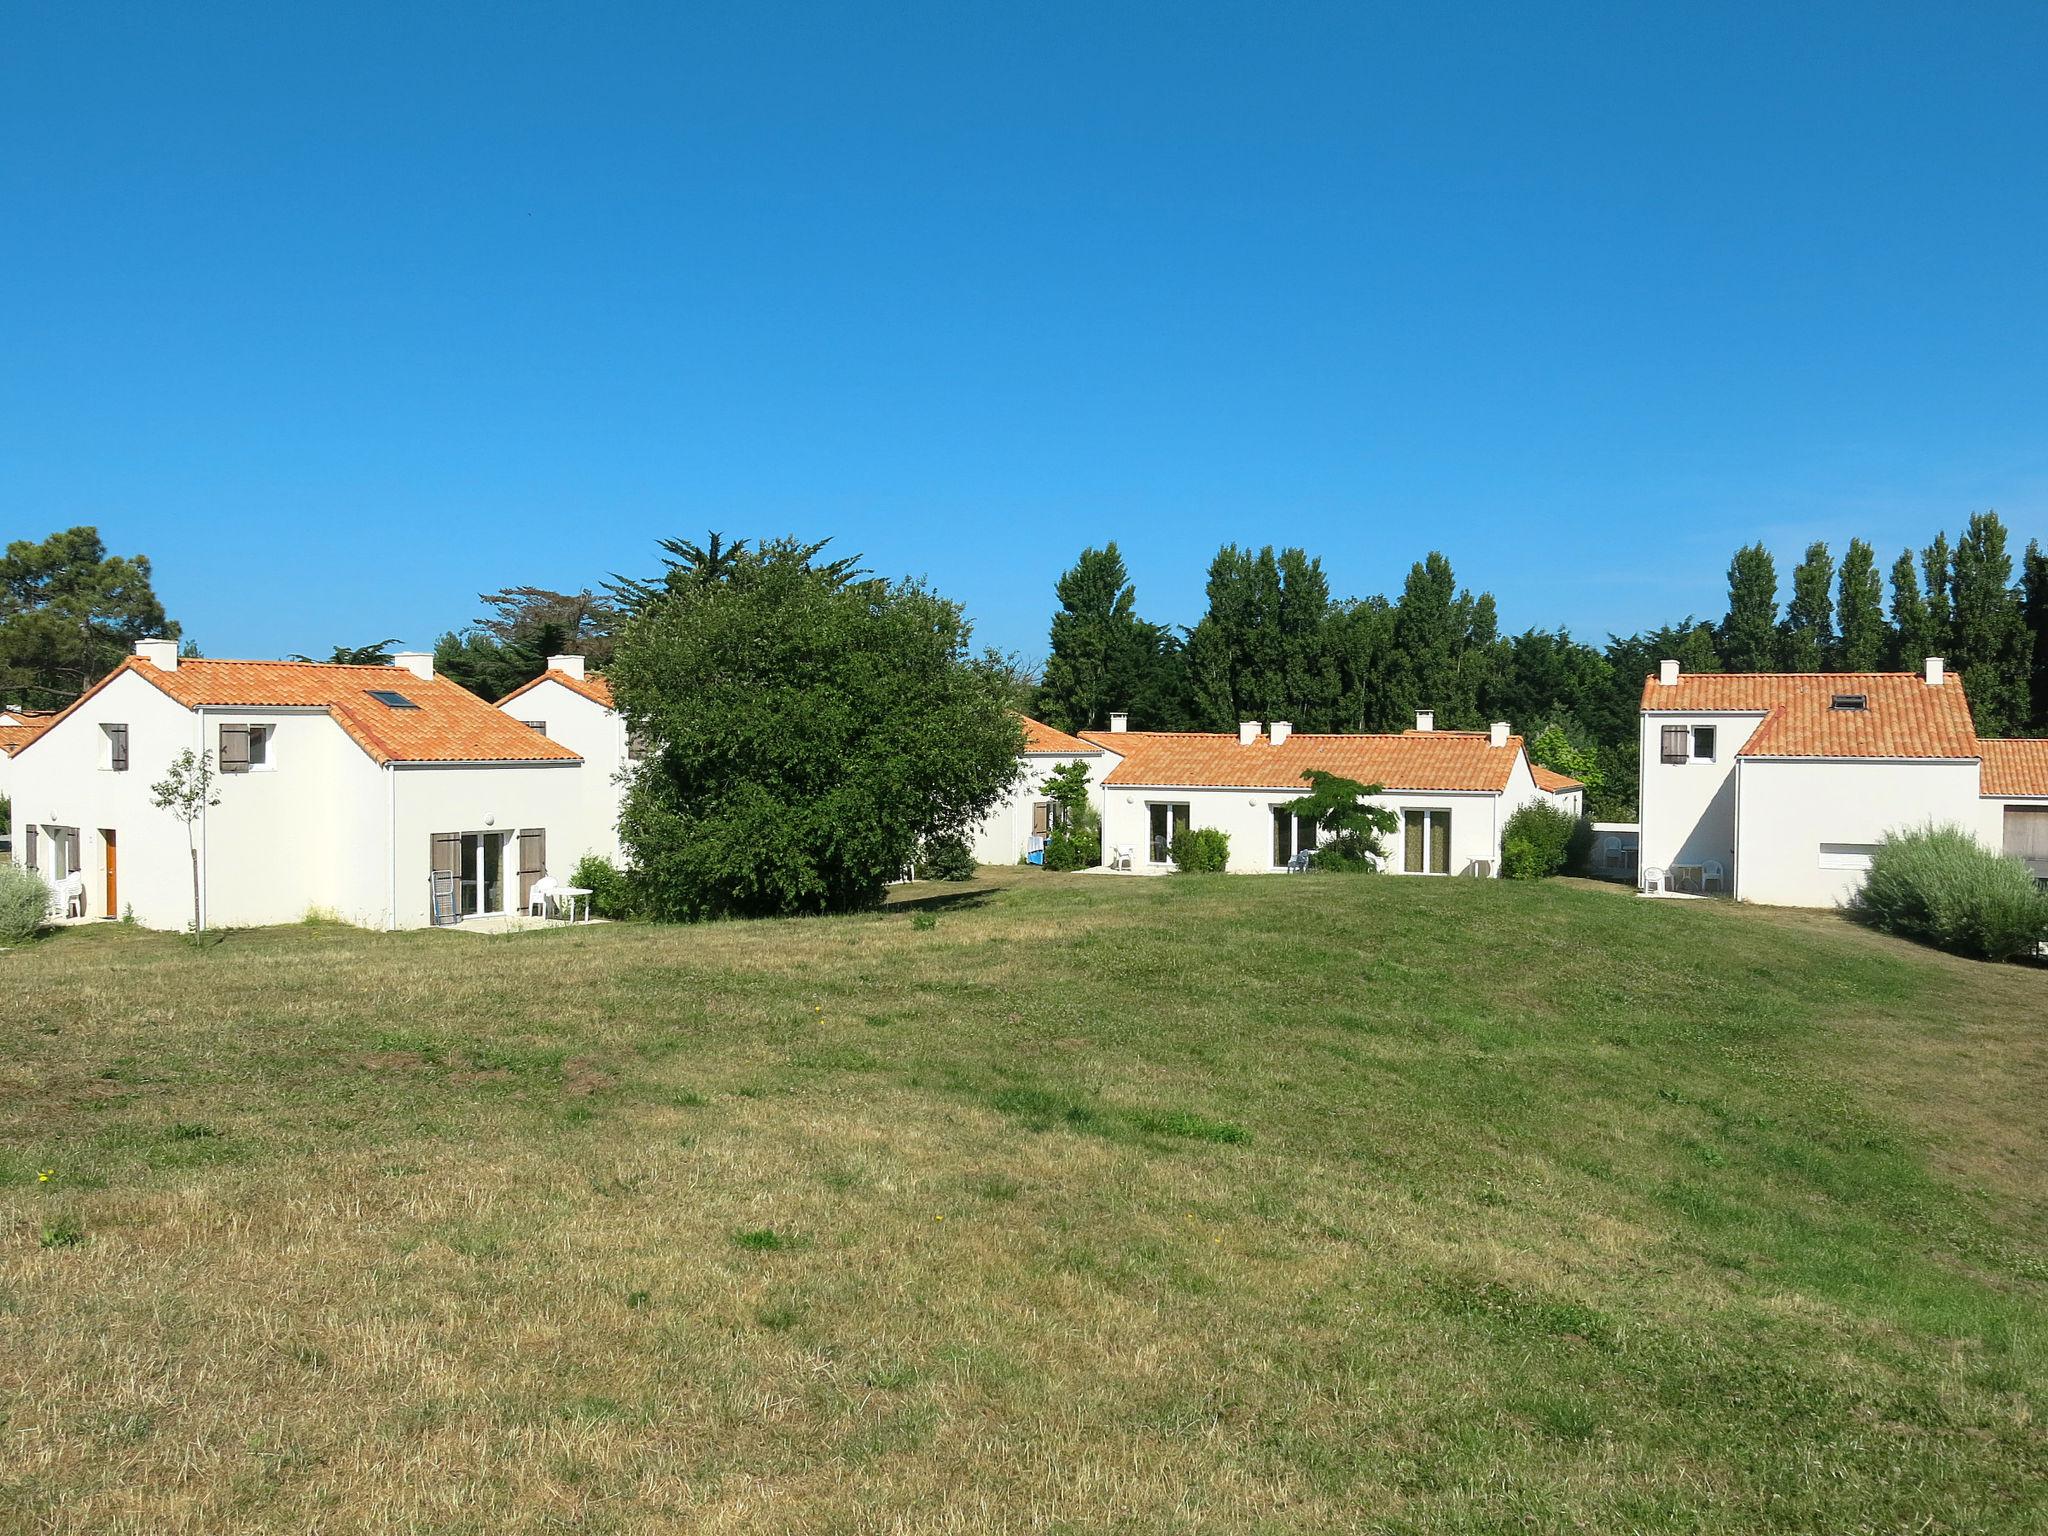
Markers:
{"x": 1019, "y": 823}
{"x": 314, "y": 815}
{"x": 573, "y": 706}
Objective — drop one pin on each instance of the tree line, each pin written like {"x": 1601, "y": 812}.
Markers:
{"x": 1275, "y": 644}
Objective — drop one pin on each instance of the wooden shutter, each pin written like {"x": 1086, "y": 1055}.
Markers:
{"x": 234, "y": 749}
{"x": 31, "y": 847}
{"x": 1677, "y": 743}
{"x": 533, "y": 861}
{"x": 117, "y": 742}
{"x": 444, "y": 852}
{"x": 1041, "y": 819}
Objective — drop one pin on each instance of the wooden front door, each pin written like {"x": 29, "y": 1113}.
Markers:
{"x": 113, "y": 883}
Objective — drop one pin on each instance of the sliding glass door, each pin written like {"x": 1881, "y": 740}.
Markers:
{"x": 1426, "y": 842}
{"x": 1169, "y": 820}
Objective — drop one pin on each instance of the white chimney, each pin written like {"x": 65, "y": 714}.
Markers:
{"x": 1282, "y": 729}
{"x": 1497, "y": 733}
{"x": 1935, "y": 666}
{"x": 161, "y": 654}
{"x": 1248, "y": 732}
{"x": 1425, "y": 719}
{"x": 1667, "y": 673}
{"x": 418, "y": 663}
{"x": 568, "y": 666}
{"x": 1119, "y": 723}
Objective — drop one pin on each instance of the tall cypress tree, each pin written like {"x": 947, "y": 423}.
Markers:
{"x": 1992, "y": 648}
{"x": 1103, "y": 656}
{"x": 1859, "y": 615}
{"x": 1936, "y": 579}
{"x": 1748, "y": 637}
{"x": 1807, "y": 637}
{"x": 2034, "y": 603}
{"x": 1912, "y": 638}
{"x": 1263, "y": 651}
{"x": 1307, "y": 646}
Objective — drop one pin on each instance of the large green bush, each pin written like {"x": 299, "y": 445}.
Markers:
{"x": 1201, "y": 851}
{"x": 24, "y": 901}
{"x": 1076, "y": 838}
{"x": 1942, "y": 886}
{"x": 613, "y": 891}
{"x": 947, "y": 858}
{"x": 1541, "y": 840}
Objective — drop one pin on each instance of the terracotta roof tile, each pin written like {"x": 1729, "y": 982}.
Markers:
{"x": 14, "y": 737}
{"x": 1431, "y": 760}
{"x": 1903, "y": 717}
{"x": 450, "y": 725}
{"x": 1041, "y": 740}
{"x": 1550, "y": 781}
{"x": 2014, "y": 768}
{"x": 594, "y": 686}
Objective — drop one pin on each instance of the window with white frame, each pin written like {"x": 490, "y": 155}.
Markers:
{"x": 1686, "y": 744}
{"x": 1292, "y": 834}
{"x": 1847, "y": 855}
{"x": 1426, "y": 842}
{"x": 245, "y": 748}
{"x": 1168, "y": 820}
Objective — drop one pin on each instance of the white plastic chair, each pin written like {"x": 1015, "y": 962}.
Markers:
{"x": 66, "y": 894}
{"x": 541, "y": 897}
{"x": 1122, "y": 858}
{"x": 1613, "y": 853}
{"x": 1653, "y": 882}
{"x": 1712, "y": 875}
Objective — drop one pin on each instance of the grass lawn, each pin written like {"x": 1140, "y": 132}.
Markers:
{"x": 1198, "y": 1204}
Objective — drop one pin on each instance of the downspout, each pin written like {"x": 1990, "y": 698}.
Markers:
{"x": 1735, "y": 843}
{"x": 391, "y": 845}
{"x": 199, "y": 751}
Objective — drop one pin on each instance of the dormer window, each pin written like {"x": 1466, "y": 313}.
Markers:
{"x": 1850, "y": 701}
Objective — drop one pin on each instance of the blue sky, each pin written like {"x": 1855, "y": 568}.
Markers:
{"x": 343, "y": 315}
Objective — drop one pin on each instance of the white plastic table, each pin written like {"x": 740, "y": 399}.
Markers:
{"x": 570, "y": 893}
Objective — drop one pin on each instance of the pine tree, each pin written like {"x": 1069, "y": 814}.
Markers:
{"x": 1860, "y": 627}
{"x": 1912, "y": 638}
{"x": 1265, "y": 650}
{"x": 1807, "y": 637}
{"x": 2034, "y": 603}
{"x": 1992, "y": 649}
{"x": 1104, "y": 657}
{"x": 1748, "y": 637}
{"x": 1433, "y": 630}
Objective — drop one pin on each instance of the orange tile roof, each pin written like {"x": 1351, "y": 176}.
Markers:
{"x": 594, "y": 686}
{"x": 1904, "y": 718}
{"x": 33, "y": 723}
{"x": 1041, "y": 740}
{"x": 451, "y": 724}
{"x": 1550, "y": 781}
{"x": 2014, "y": 768}
{"x": 1427, "y": 760}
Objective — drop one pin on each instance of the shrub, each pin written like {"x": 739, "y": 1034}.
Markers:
{"x": 1542, "y": 840}
{"x": 947, "y": 858}
{"x": 1941, "y": 886}
{"x": 24, "y": 901}
{"x": 1348, "y": 828}
{"x": 1076, "y": 839}
{"x": 614, "y": 893}
{"x": 1201, "y": 851}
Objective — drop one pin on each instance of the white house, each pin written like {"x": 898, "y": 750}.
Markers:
{"x": 573, "y": 706}
{"x": 1778, "y": 787}
{"x": 360, "y": 791}
{"x": 1023, "y": 819}
{"x": 1452, "y": 790}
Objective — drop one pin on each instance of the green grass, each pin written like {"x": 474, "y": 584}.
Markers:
{"x": 1100, "y": 1205}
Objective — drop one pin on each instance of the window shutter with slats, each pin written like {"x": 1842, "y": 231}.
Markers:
{"x": 533, "y": 861}
{"x": 1675, "y": 744}
{"x": 234, "y": 749}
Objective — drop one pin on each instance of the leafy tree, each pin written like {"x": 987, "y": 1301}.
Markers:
{"x": 1437, "y": 629}
{"x": 1913, "y": 637}
{"x": 1237, "y": 658}
{"x": 1992, "y": 646}
{"x": 1075, "y": 841}
{"x": 1350, "y": 828}
{"x": 1861, "y": 636}
{"x": 1937, "y": 577}
{"x": 510, "y": 642}
{"x": 1562, "y": 746}
{"x": 1362, "y": 647}
{"x": 2034, "y": 603}
{"x": 1749, "y": 634}
{"x": 1547, "y": 673}
{"x": 377, "y": 655}
{"x": 814, "y": 727}
{"x": 1105, "y": 658}
{"x": 69, "y": 613}
{"x": 187, "y": 791}
{"x": 1806, "y": 638}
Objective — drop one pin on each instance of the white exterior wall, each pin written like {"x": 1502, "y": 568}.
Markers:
{"x": 312, "y": 829}
{"x": 1687, "y": 810}
{"x": 1788, "y": 807}
{"x": 1247, "y": 816}
{"x": 1005, "y": 833}
{"x": 598, "y": 736}
{"x": 432, "y": 797}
